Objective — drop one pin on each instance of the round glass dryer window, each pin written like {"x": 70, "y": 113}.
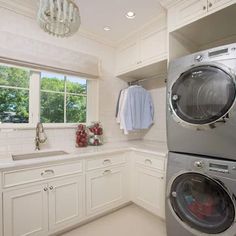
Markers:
{"x": 202, "y": 203}
{"x": 203, "y": 94}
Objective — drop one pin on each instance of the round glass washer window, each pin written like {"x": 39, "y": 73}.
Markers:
{"x": 203, "y": 94}
{"x": 202, "y": 203}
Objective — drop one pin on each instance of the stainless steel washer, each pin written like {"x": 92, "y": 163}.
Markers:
{"x": 201, "y": 109}
{"x": 200, "y": 196}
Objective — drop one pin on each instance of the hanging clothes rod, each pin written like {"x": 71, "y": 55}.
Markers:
{"x": 163, "y": 76}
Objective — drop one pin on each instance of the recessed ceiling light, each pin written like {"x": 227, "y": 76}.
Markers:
{"x": 130, "y": 15}
{"x": 107, "y": 28}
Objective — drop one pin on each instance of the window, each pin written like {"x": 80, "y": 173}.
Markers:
{"x": 14, "y": 95}
{"x": 27, "y": 97}
{"x": 63, "y": 99}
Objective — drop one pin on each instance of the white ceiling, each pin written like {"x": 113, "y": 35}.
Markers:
{"x": 96, "y": 14}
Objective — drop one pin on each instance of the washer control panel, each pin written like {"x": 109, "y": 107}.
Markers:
{"x": 219, "y": 168}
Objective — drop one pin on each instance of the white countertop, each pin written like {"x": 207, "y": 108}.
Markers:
{"x": 151, "y": 147}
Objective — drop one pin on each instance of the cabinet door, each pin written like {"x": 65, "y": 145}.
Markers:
{"x": 26, "y": 212}
{"x": 219, "y": 4}
{"x": 65, "y": 202}
{"x": 186, "y": 12}
{"x": 153, "y": 46}
{"x": 149, "y": 190}
{"x": 1, "y": 215}
{"x": 106, "y": 189}
{"x": 127, "y": 57}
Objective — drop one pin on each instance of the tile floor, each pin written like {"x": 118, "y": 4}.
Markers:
{"x": 130, "y": 220}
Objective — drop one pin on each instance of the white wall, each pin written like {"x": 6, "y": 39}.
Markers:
{"x": 109, "y": 86}
{"x": 158, "y": 130}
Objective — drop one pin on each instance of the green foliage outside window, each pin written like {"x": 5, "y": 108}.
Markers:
{"x": 56, "y": 96}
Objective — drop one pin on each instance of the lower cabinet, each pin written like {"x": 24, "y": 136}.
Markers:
{"x": 26, "y": 211}
{"x": 66, "y": 202}
{"x": 106, "y": 189}
{"x": 149, "y": 190}
{"x": 40, "y": 209}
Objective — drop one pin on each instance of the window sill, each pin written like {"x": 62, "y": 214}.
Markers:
{"x": 8, "y": 127}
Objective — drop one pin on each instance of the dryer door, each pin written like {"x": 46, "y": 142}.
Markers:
{"x": 203, "y": 94}
{"x": 202, "y": 203}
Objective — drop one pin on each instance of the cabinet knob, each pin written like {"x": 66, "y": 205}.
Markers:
{"x": 47, "y": 172}
{"x": 210, "y": 4}
{"x": 148, "y": 161}
{"x": 204, "y": 8}
{"x": 51, "y": 187}
{"x": 106, "y": 172}
{"x": 106, "y": 162}
{"x": 45, "y": 189}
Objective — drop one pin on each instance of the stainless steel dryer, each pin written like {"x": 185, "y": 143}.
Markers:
{"x": 200, "y": 196}
{"x": 201, "y": 109}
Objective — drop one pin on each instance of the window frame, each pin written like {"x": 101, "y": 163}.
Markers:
{"x": 35, "y": 106}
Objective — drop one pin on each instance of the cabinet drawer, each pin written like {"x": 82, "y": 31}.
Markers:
{"x": 149, "y": 160}
{"x": 13, "y": 178}
{"x": 103, "y": 162}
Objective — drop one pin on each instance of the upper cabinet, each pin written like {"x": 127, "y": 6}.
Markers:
{"x": 185, "y": 12}
{"x": 188, "y": 11}
{"x": 146, "y": 47}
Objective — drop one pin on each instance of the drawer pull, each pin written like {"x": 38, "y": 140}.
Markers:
{"x": 106, "y": 162}
{"x": 148, "y": 161}
{"x": 51, "y": 187}
{"x": 45, "y": 189}
{"x": 106, "y": 172}
{"x": 47, "y": 172}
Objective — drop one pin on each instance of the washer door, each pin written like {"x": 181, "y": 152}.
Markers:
{"x": 203, "y": 94}
{"x": 202, "y": 203}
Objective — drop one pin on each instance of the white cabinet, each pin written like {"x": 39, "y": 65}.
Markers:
{"x": 65, "y": 202}
{"x": 40, "y": 209}
{"x": 1, "y": 215}
{"x": 145, "y": 48}
{"x": 106, "y": 189}
{"x": 149, "y": 190}
{"x": 219, "y": 4}
{"x": 188, "y": 11}
{"x": 127, "y": 56}
{"x": 153, "y": 46}
{"x": 26, "y": 211}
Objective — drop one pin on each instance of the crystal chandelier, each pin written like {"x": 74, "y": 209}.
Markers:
{"x": 59, "y": 17}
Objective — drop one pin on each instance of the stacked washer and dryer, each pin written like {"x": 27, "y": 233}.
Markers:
{"x": 201, "y": 134}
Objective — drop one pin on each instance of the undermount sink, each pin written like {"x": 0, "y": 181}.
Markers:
{"x": 33, "y": 155}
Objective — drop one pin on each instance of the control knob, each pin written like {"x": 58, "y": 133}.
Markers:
{"x": 199, "y": 58}
{"x": 199, "y": 164}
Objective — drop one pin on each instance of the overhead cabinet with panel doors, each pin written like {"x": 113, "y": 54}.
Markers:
{"x": 188, "y": 11}
{"x": 143, "y": 48}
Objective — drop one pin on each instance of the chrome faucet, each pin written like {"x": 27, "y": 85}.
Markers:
{"x": 38, "y": 138}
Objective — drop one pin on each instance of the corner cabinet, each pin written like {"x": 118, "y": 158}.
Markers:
{"x": 149, "y": 183}
{"x": 188, "y": 11}
{"x": 142, "y": 49}
{"x": 106, "y": 189}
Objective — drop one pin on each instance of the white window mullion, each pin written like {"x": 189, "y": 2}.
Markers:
{"x": 65, "y": 100}
{"x": 34, "y": 98}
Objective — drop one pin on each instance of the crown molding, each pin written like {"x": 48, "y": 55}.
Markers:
{"x": 18, "y": 8}
{"x": 132, "y": 33}
{"x": 168, "y": 3}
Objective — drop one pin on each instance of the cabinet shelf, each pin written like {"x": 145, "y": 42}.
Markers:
{"x": 145, "y": 72}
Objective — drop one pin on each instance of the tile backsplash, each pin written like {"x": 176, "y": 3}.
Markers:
{"x": 23, "y": 140}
